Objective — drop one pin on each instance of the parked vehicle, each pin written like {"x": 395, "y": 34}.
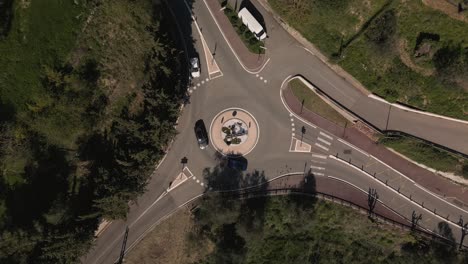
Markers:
{"x": 194, "y": 67}
{"x": 252, "y": 24}
{"x": 201, "y": 134}
{"x": 238, "y": 163}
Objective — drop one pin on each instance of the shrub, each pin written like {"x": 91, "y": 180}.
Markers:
{"x": 382, "y": 29}
{"x": 451, "y": 60}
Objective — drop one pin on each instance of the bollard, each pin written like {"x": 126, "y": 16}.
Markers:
{"x": 422, "y": 204}
{"x": 398, "y": 189}
{"x": 374, "y": 174}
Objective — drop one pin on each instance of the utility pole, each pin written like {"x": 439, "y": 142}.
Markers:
{"x": 124, "y": 244}
{"x": 302, "y": 106}
{"x": 184, "y": 162}
{"x": 303, "y": 130}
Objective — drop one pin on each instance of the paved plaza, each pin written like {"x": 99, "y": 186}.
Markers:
{"x": 234, "y": 131}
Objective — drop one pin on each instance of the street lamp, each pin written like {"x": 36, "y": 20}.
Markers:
{"x": 303, "y": 130}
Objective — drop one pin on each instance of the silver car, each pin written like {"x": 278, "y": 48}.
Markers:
{"x": 194, "y": 67}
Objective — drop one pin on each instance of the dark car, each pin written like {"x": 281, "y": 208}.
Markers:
{"x": 201, "y": 134}
{"x": 238, "y": 163}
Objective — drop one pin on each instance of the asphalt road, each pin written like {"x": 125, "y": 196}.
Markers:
{"x": 259, "y": 93}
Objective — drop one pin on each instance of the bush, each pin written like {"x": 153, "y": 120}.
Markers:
{"x": 451, "y": 60}
{"x": 465, "y": 171}
{"x": 382, "y": 29}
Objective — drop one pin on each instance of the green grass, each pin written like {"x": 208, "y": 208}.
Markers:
{"x": 253, "y": 44}
{"x": 42, "y": 33}
{"x": 314, "y": 103}
{"x": 380, "y": 69}
{"x": 327, "y": 23}
{"x": 428, "y": 155}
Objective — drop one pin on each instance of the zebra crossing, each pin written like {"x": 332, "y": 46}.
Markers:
{"x": 318, "y": 162}
{"x": 324, "y": 141}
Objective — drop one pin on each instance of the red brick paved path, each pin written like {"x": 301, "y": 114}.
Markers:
{"x": 250, "y": 60}
{"x": 425, "y": 178}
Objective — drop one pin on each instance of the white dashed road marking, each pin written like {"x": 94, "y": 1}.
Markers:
{"x": 319, "y": 156}
{"x": 324, "y": 141}
{"x": 325, "y": 135}
{"x": 318, "y": 173}
{"x": 322, "y": 147}
{"x": 317, "y": 168}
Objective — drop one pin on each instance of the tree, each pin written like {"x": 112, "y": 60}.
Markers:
{"x": 451, "y": 60}
{"x": 372, "y": 198}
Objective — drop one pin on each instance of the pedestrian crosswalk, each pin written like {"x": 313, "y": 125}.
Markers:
{"x": 318, "y": 162}
{"x": 324, "y": 141}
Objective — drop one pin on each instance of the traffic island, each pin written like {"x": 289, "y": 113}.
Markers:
{"x": 234, "y": 132}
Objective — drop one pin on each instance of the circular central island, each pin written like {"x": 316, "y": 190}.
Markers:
{"x": 234, "y": 132}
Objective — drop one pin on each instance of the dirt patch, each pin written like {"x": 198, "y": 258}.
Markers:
{"x": 367, "y": 130}
{"x": 405, "y": 57}
{"x": 169, "y": 243}
{"x": 446, "y": 8}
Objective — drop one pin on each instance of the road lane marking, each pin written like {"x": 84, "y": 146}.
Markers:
{"x": 324, "y": 141}
{"x": 326, "y": 135}
{"x": 317, "y": 168}
{"x": 318, "y": 173}
{"x": 319, "y": 156}
{"x": 318, "y": 162}
{"x": 322, "y": 147}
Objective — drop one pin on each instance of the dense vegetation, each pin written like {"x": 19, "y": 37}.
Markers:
{"x": 89, "y": 94}
{"x": 290, "y": 230}
{"x": 402, "y": 50}
{"x": 6, "y": 15}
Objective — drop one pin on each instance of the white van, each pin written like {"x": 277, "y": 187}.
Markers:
{"x": 252, "y": 24}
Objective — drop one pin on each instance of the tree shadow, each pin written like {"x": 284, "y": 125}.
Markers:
{"x": 444, "y": 250}
{"x": 7, "y": 111}
{"x": 46, "y": 187}
{"x": 303, "y": 195}
{"x": 182, "y": 32}
{"x": 6, "y": 17}
{"x": 90, "y": 72}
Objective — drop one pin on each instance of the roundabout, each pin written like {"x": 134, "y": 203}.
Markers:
{"x": 234, "y": 132}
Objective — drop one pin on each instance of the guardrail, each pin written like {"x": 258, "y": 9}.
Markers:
{"x": 258, "y": 192}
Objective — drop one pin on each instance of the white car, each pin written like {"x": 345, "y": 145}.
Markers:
{"x": 194, "y": 68}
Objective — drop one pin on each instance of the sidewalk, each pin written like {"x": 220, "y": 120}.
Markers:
{"x": 425, "y": 178}
{"x": 248, "y": 59}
